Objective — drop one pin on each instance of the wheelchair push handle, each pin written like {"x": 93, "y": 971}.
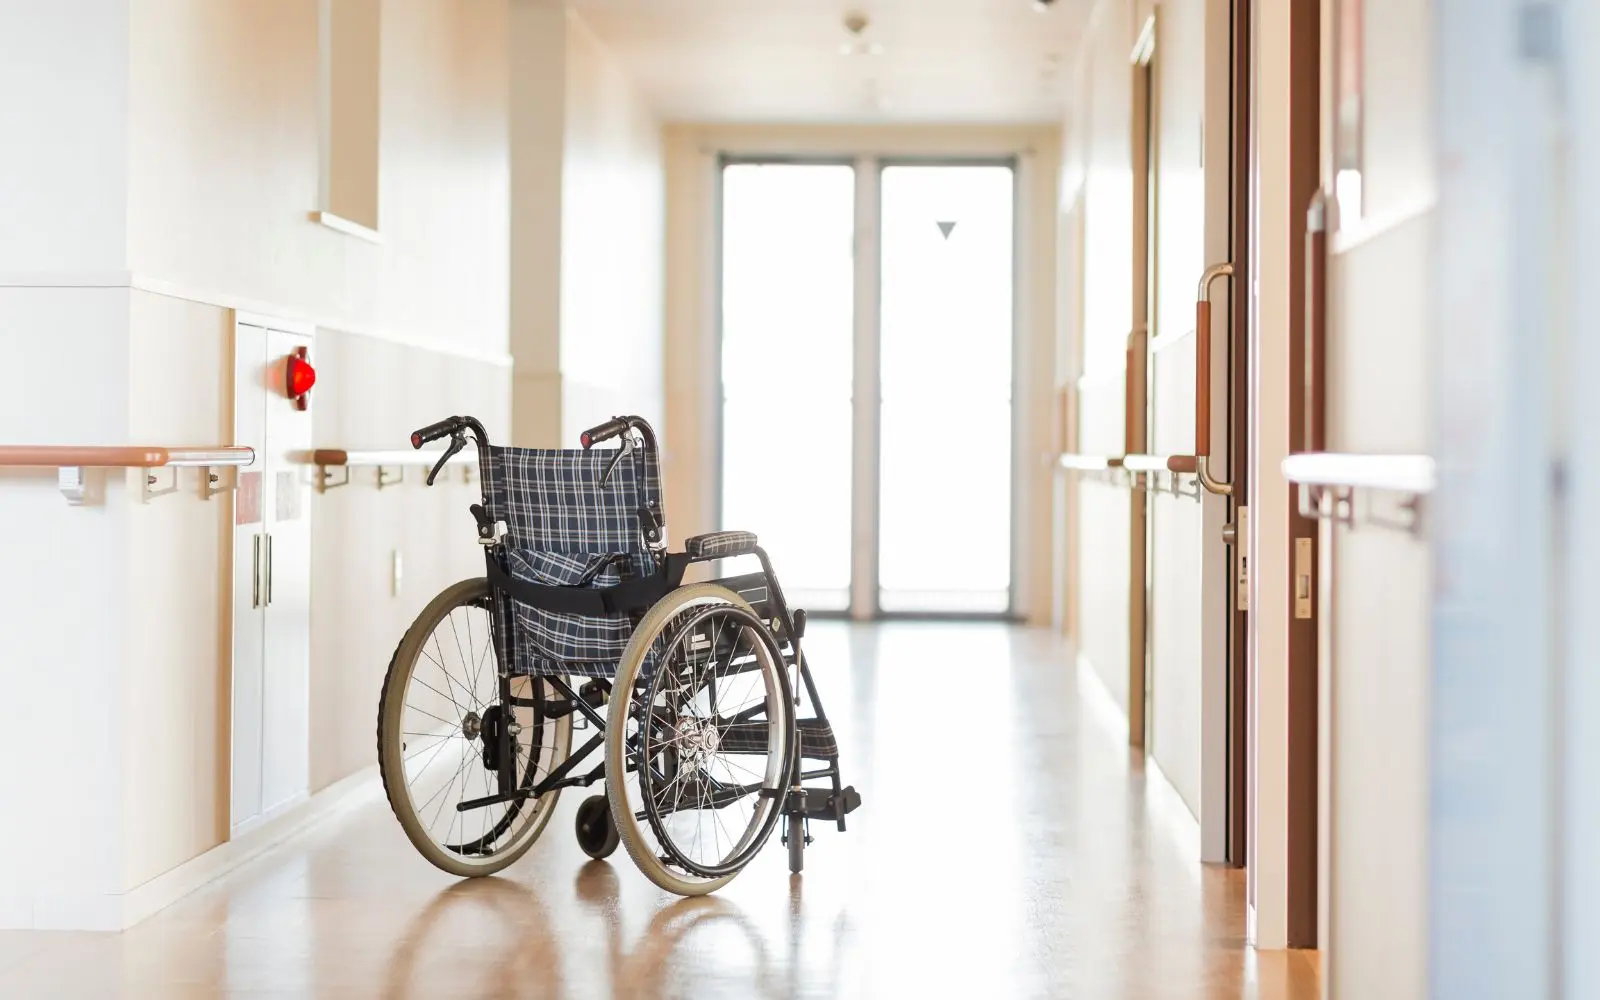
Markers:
{"x": 434, "y": 432}
{"x": 604, "y": 432}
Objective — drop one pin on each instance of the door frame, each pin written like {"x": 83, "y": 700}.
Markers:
{"x": 1307, "y": 345}
{"x": 1144, "y": 138}
{"x": 267, "y": 325}
{"x": 866, "y": 395}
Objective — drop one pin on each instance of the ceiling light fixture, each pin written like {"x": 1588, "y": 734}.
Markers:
{"x": 1043, "y": 5}
{"x": 856, "y": 23}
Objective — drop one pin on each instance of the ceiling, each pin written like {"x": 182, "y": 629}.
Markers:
{"x": 950, "y": 61}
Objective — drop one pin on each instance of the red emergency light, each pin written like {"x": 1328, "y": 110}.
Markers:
{"x": 299, "y": 377}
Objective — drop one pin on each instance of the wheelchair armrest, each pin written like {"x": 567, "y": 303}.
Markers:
{"x": 720, "y": 544}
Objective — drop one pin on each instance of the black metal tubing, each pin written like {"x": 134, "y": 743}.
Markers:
{"x": 725, "y": 795}
{"x": 554, "y": 778}
{"x": 588, "y": 711}
{"x": 504, "y": 638}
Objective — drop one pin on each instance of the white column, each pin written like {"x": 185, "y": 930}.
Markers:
{"x": 63, "y": 573}
{"x": 1580, "y": 762}
{"x": 538, "y": 41}
{"x": 1494, "y": 882}
{"x": 1265, "y": 290}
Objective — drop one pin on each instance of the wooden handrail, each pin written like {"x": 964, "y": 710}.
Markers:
{"x": 122, "y": 457}
{"x": 1412, "y": 474}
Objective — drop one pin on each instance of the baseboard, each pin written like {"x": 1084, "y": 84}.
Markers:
{"x": 1098, "y": 700}
{"x": 1170, "y": 811}
{"x": 255, "y": 823}
{"x": 167, "y": 888}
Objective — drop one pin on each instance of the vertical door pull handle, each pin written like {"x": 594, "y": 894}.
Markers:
{"x": 1314, "y": 335}
{"x": 1202, "y": 379}
{"x": 269, "y": 569}
{"x": 255, "y": 571}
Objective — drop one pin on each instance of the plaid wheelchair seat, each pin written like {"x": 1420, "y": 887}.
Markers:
{"x": 569, "y": 524}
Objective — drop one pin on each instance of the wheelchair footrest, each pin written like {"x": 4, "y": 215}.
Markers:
{"x": 820, "y": 803}
{"x": 816, "y": 739}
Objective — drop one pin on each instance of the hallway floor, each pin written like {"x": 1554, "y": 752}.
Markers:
{"x": 1008, "y": 846}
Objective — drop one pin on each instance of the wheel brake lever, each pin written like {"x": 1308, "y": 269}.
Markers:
{"x": 624, "y": 451}
{"x": 458, "y": 440}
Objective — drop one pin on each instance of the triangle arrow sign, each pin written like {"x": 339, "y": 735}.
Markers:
{"x": 945, "y": 227}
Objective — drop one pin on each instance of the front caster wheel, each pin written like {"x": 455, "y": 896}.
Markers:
{"x": 797, "y": 843}
{"x": 597, "y": 834}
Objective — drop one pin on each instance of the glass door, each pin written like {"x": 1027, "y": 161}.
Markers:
{"x": 788, "y": 308}
{"x": 945, "y": 329}
{"x": 894, "y": 285}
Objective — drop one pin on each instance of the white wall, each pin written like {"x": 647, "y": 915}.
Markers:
{"x": 1176, "y": 581}
{"x": 64, "y": 205}
{"x": 588, "y": 220}
{"x": 1378, "y": 395}
{"x": 63, "y": 210}
{"x": 1098, "y": 178}
{"x": 170, "y": 179}
{"x": 1269, "y": 281}
{"x": 538, "y": 112}
{"x": 612, "y": 244}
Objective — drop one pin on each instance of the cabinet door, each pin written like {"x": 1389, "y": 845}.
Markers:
{"x": 249, "y": 542}
{"x": 286, "y": 706}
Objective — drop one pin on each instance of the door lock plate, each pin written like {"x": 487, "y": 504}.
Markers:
{"x": 1242, "y": 558}
{"x": 1302, "y": 578}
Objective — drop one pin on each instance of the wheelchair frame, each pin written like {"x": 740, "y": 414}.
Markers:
{"x": 783, "y": 630}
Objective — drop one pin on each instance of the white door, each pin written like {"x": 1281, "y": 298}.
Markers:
{"x": 287, "y": 674}
{"x": 249, "y": 539}
{"x": 272, "y": 584}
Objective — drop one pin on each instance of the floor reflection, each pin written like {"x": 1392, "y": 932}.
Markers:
{"x": 1009, "y": 846}
{"x": 499, "y": 923}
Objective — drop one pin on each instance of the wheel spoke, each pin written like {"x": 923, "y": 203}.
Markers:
{"x": 422, "y": 785}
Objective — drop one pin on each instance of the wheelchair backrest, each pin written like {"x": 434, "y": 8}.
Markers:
{"x": 563, "y": 502}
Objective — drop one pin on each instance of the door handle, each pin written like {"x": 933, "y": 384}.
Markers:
{"x": 269, "y": 570}
{"x": 1202, "y": 380}
{"x": 255, "y": 571}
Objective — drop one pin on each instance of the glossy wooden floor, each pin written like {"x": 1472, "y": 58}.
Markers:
{"x": 1009, "y": 846}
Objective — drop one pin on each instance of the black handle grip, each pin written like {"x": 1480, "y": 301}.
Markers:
{"x": 604, "y": 432}
{"x": 434, "y": 432}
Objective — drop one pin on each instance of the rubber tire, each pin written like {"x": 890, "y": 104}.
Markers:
{"x": 616, "y": 754}
{"x": 596, "y": 830}
{"x": 797, "y": 843}
{"x": 391, "y": 705}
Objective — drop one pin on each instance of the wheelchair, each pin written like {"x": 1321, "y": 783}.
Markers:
{"x": 582, "y": 621}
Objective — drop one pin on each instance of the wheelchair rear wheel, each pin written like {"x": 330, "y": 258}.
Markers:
{"x": 700, "y": 744}
{"x": 442, "y": 710}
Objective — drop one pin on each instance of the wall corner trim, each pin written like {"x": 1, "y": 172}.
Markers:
{"x": 349, "y": 228}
